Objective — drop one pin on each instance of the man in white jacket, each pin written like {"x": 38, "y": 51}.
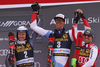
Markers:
{"x": 63, "y": 38}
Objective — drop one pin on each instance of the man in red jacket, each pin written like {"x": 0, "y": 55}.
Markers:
{"x": 88, "y": 51}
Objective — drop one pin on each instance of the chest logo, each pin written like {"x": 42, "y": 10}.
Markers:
{"x": 84, "y": 52}
{"x": 23, "y": 48}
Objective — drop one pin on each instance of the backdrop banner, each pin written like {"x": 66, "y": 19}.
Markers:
{"x": 10, "y": 19}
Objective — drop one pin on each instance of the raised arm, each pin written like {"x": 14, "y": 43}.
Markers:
{"x": 86, "y": 24}
{"x": 78, "y": 15}
{"x": 34, "y": 25}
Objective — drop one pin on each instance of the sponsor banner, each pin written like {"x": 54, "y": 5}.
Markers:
{"x": 91, "y": 20}
{"x": 8, "y": 23}
{"x": 12, "y": 22}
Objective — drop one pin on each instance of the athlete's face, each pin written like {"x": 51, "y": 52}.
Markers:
{"x": 87, "y": 38}
{"x": 21, "y": 36}
{"x": 59, "y": 23}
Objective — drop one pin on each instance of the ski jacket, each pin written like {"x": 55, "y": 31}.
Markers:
{"x": 88, "y": 55}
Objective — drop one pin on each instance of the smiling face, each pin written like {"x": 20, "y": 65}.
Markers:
{"x": 87, "y": 38}
{"x": 21, "y": 36}
{"x": 59, "y": 23}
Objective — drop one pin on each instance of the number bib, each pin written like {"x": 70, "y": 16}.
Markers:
{"x": 23, "y": 51}
{"x": 63, "y": 42}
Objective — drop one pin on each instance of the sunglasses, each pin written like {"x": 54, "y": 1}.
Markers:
{"x": 60, "y": 20}
{"x": 87, "y": 35}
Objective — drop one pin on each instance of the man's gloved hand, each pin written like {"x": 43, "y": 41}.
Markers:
{"x": 35, "y": 7}
{"x": 76, "y": 17}
{"x": 82, "y": 16}
{"x": 73, "y": 62}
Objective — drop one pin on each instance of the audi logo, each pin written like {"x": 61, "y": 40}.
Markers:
{"x": 3, "y": 52}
